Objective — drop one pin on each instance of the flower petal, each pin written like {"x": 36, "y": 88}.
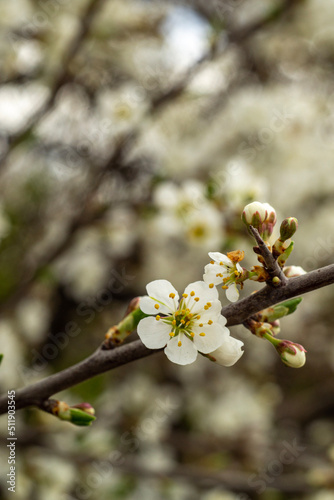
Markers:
{"x": 214, "y": 337}
{"x": 210, "y": 274}
{"x": 229, "y": 352}
{"x": 220, "y": 257}
{"x": 147, "y": 305}
{"x": 232, "y": 293}
{"x": 153, "y": 334}
{"x": 181, "y": 355}
{"x": 159, "y": 292}
{"x": 212, "y": 313}
{"x": 199, "y": 290}
{"x": 222, "y": 321}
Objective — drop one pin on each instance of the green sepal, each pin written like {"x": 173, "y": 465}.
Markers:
{"x": 79, "y": 417}
{"x": 1, "y": 358}
{"x": 279, "y": 311}
{"x": 284, "y": 256}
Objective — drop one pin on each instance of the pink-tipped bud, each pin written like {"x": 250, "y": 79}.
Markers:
{"x": 86, "y": 407}
{"x": 261, "y": 216}
{"x": 291, "y": 354}
{"x": 288, "y": 228}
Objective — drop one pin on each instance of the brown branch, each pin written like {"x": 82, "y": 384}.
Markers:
{"x": 105, "y": 360}
{"x": 238, "y": 312}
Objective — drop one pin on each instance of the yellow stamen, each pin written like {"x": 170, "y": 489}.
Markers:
{"x": 210, "y": 322}
{"x": 185, "y": 295}
{"x": 179, "y": 343}
{"x": 209, "y": 304}
{"x": 190, "y": 315}
{"x": 198, "y": 317}
{"x": 172, "y": 295}
{"x": 206, "y": 307}
{"x": 202, "y": 334}
{"x": 221, "y": 263}
{"x": 196, "y": 299}
{"x": 192, "y": 334}
{"x": 157, "y": 317}
{"x": 183, "y": 311}
{"x": 192, "y": 294}
{"x": 156, "y": 306}
{"x": 224, "y": 287}
{"x": 172, "y": 334}
{"x": 173, "y": 322}
{"x": 201, "y": 324}
{"x": 211, "y": 285}
{"x": 212, "y": 261}
{"x": 182, "y": 321}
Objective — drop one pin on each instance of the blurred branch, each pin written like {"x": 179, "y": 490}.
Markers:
{"x": 235, "y": 36}
{"x": 104, "y": 360}
{"x": 85, "y": 216}
{"x": 62, "y": 78}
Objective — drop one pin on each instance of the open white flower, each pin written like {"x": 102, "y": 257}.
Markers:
{"x": 184, "y": 326}
{"x": 224, "y": 269}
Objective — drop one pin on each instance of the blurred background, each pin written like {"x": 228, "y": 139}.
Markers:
{"x": 132, "y": 133}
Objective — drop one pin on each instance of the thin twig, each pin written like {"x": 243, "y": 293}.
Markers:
{"x": 271, "y": 264}
{"x": 104, "y": 360}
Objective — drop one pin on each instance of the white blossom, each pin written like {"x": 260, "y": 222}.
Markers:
{"x": 183, "y": 326}
{"x": 224, "y": 269}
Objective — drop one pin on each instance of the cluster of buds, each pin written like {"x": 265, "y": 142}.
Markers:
{"x": 266, "y": 325}
{"x": 81, "y": 414}
{"x": 261, "y": 216}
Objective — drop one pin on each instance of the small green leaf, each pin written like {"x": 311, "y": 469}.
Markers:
{"x": 292, "y": 304}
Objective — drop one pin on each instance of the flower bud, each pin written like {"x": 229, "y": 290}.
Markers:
{"x": 293, "y": 271}
{"x": 291, "y": 354}
{"x": 86, "y": 407}
{"x": 254, "y": 214}
{"x": 81, "y": 417}
{"x": 288, "y": 228}
{"x": 81, "y": 414}
{"x": 261, "y": 216}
